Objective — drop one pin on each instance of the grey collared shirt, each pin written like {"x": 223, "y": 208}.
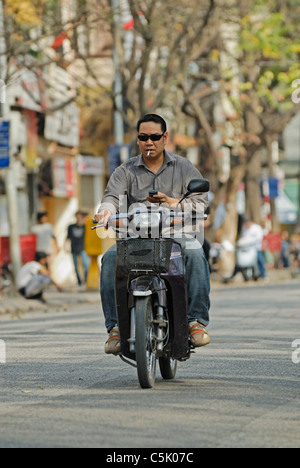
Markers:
{"x": 130, "y": 183}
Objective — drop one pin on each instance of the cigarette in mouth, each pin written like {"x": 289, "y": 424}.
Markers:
{"x": 148, "y": 154}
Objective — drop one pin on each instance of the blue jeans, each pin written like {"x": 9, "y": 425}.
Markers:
{"x": 85, "y": 264}
{"x": 261, "y": 263}
{"x": 198, "y": 277}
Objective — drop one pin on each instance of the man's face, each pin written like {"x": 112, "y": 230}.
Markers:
{"x": 156, "y": 148}
{"x": 80, "y": 219}
{"x": 44, "y": 261}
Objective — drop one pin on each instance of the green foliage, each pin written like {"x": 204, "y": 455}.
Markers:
{"x": 269, "y": 40}
{"x": 23, "y": 12}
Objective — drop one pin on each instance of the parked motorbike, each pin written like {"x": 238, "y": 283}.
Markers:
{"x": 295, "y": 257}
{"x": 6, "y": 281}
{"x": 221, "y": 255}
{"x": 151, "y": 289}
{"x": 246, "y": 260}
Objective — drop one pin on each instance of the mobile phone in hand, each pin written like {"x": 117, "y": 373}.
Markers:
{"x": 152, "y": 193}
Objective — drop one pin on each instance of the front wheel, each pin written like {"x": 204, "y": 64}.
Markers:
{"x": 145, "y": 342}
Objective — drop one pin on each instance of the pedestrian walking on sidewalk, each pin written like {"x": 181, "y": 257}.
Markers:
{"x": 76, "y": 235}
{"x": 45, "y": 234}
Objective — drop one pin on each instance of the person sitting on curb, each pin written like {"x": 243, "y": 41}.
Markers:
{"x": 34, "y": 278}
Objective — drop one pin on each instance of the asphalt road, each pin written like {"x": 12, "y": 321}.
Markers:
{"x": 59, "y": 389}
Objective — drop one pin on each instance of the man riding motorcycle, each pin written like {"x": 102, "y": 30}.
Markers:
{"x": 168, "y": 176}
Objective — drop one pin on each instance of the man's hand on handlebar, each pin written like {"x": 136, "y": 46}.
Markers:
{"x": 103, "y": 218}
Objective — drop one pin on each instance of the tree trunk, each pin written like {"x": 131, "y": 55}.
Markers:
{"x": 252, "y": 188}
{"x": 274, "y": 219}
{"x": 203, "y": 121}
{"x": 229, "y": 227}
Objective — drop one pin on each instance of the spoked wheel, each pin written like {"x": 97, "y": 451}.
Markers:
{"x": 247, "y": 274}
{"x": 168, "y": 368}
{"x": 145, "y": 342}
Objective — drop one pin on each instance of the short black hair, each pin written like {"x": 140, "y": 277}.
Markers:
{"x": 40, "y": 255}
{"x": 82, "y": 213}
{"x": 41, "y": 215}
{"x": 153, "y": 118}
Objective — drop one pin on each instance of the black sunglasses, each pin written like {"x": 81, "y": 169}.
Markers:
{"x": 153, "y": 137}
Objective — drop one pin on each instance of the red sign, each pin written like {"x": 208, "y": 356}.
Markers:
{"x": 272, "y": 243}
{"x": 27, "y": 245}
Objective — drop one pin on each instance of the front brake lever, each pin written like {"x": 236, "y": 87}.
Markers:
{"x": 97, "y": 227}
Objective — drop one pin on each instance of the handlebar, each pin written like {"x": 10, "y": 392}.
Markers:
{"x": 116, "y": 221}
{"x": 94, "y": 221}
{"x": 97, "y": 227}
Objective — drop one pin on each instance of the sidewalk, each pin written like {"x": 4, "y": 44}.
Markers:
{"x": 274, "y": 276}
{"x": 62, "y": 301}
{"x": 55, "y": 300}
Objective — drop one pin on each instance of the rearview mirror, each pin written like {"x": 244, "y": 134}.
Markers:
{"x": 198, "y": 186}
{"x": 195, "y": 186}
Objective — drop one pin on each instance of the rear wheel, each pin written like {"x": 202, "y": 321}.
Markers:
{"x": 247, "y": 274}
{"x": 145, "y": 342}
{"x": 168, "y": 368}
{"x": 295, "y": 267}
{"x": 6, "y": 282}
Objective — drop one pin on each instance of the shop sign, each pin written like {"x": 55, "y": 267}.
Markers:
{"x": 4, "y": 144}
{"x": 64, "y": 177}
{"x": 63, "y": 126}
{"x": 117, "y": 155}
{"x": 90, "y": 165}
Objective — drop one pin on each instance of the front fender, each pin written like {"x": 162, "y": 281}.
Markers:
{"x": 147, "y": 286}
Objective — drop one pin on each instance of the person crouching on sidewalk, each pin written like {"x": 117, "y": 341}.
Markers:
{"x": 34, "y": 278}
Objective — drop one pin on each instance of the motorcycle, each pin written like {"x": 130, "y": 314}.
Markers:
{"x": 246, "y": 260}
{"x": 220, "y": 255}
{"x": 151, "y": 289}
{"x": 6, "y": 281}
{"x": 295, "y": 257}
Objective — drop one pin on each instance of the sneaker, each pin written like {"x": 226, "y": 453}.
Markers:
{"x": 113, "y": 344}
{"x": 198, "y": 335}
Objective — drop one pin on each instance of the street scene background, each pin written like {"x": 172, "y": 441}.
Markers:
{"x": 75, "y": 77}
